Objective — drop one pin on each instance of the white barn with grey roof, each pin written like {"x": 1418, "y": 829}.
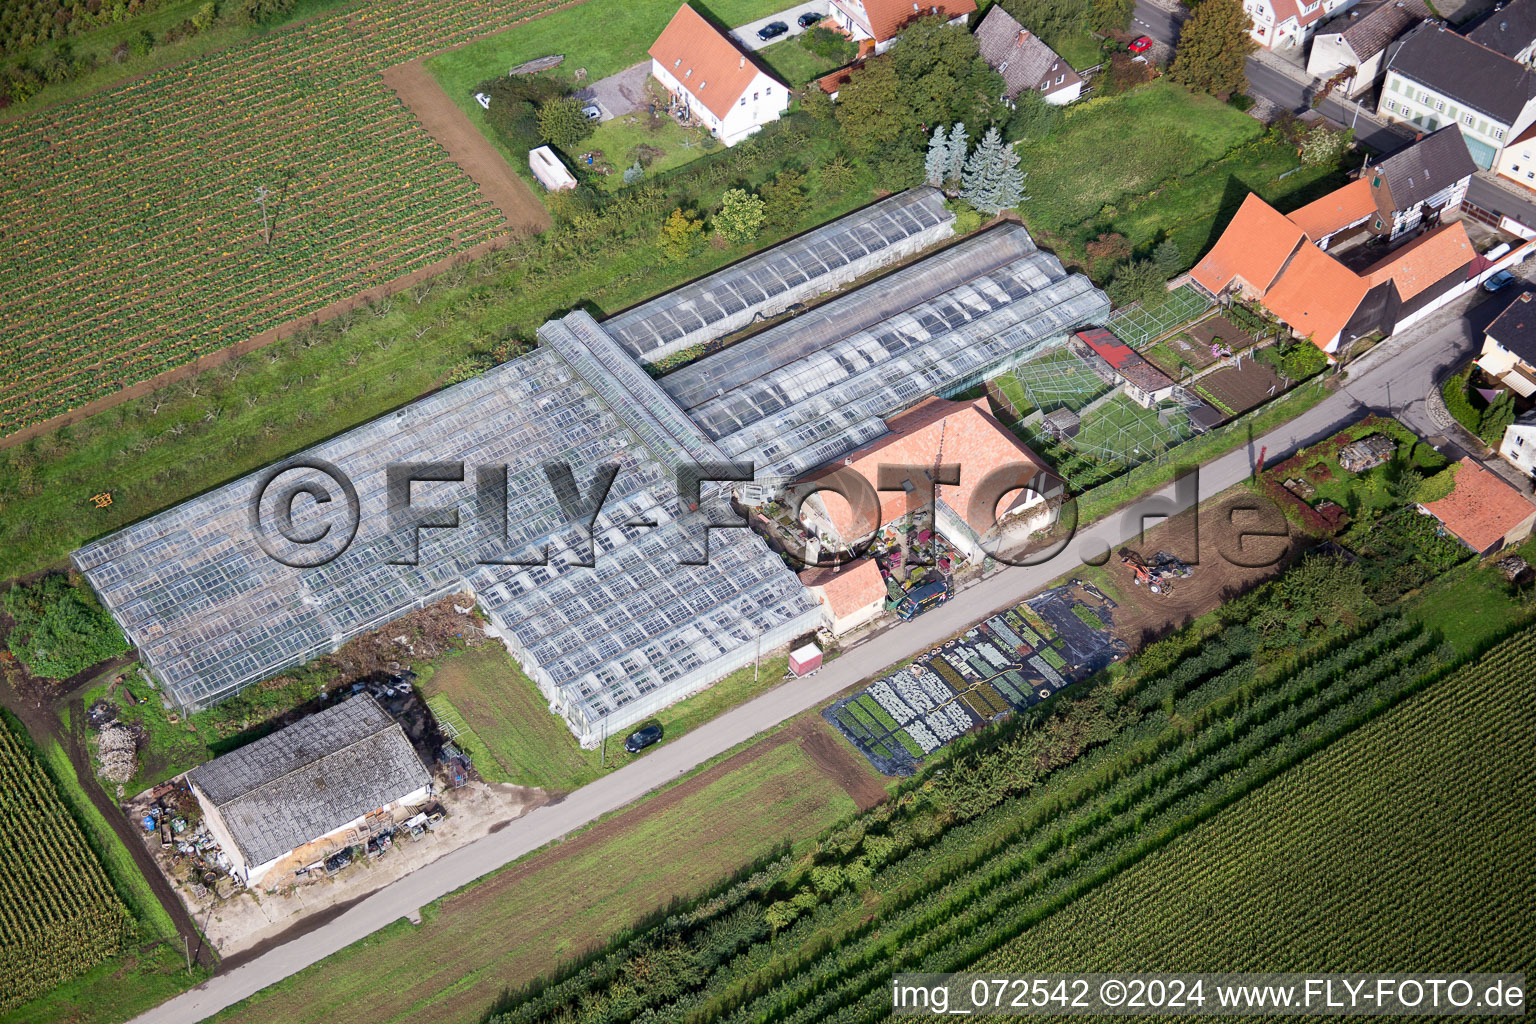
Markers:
{"x": 320, "y": 776}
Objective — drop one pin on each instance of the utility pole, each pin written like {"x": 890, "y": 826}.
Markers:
{"x": 261, "y": 200}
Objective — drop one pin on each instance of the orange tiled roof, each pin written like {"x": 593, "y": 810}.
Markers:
{"x": 848, "y": 588}
{"x": 705, "y": 60}
{"x": 963, "y": 432}
{"x": 1316, "y": 295}
{"x": 1337, "y": 209}
{"x": 1482, "y": 508}
{"x": 888, "y": 17}
{"x": 1430, "y": 258}
{"x": 1254, "y": 247}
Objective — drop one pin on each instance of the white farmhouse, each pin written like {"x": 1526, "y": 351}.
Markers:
{"x": 1282, "y": 25}
{"x": 714, "y": 79}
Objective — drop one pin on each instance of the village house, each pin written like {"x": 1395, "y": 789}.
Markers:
{"x": 300, "y": 794}
{"x": 939, "y": 432}
{"x": 850, "y": 594}
{"x": 1024, "y": 61}
{"x": 1267, "y": 256}
{"x": 1510, "y": 28}
{"x": 1144, "y": 383}
{"x": 1483, "y": 511}
{"x": 1422, "y": 181}
{"x": 1436, "y": 78}
{"x": 1358, "y": 39}
{"x": 1286, "y": 24}
{"x": 1518, "y": 446}
{"x": 714, "y": 80}
{"x": 1509, "y": 347}
{"x": 876, "y": 24}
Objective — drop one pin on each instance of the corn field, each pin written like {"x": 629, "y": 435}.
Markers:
{"x": 59, "y": 915}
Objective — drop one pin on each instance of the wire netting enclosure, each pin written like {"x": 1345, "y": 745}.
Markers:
{"x": 1139, "y": 327}
{"x": 1056, "y": 380}
{"x": 768, "y": 283}
{"x": 611, "y": 625}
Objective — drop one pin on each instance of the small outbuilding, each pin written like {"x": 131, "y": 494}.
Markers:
{"x": 1483, "y": 511}
{"x": 1367, "y": 453}
{"x": 850, "y": 594}
{"x": 1062, "y": 424}
{"x": 289, "y": 795}
{"x": 546, "y": 166}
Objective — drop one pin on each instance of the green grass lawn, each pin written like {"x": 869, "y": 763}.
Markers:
{"x": 1112, "y": 148}
{"x": 1081, "y": 50}
{"x": 794, "y": 64}
{"x": 530, "y": 746}
{"x": 551, "y": 906}
{"x": 1123, "y": 429}
{"x": 601, "y": 36}
{"x": 618, "y": 137}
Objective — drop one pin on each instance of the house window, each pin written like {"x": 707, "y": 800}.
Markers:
{"x": 1060, "y": 79}
{"x": 1392, "y": 105}
{"x": 1466, "y": 119}
{"x": 754, "y": 97}
{"x": 1044, "y": 86}
{"x": 743, "y": 101}
{"x": 1439, "y": 104}
{"x": 1498, "y": 133}
{"x": 1519, "y": 442}
{"x": 1378, "y": 223}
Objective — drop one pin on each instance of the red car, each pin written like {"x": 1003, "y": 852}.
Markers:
{"x": 1141, "y": 44}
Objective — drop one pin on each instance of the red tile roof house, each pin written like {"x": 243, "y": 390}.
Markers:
{"x": 1266, "y": 256}
{"x": 850, "y": 594}
{"x": 875, "y": 24}
{"x": 1283, "y": 25}
{"x": 1483, "y": 511}
{"x": 714, "y": 80}
{"x": 1144, "y": 383}
{"x": 938, "y": 431}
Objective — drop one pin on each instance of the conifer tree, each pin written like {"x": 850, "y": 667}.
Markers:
{"x": 992, "y": 180}
{"x": 959, "y": 144}
{"x": 1213, "y": 49}
{"x": 936, "y": 167}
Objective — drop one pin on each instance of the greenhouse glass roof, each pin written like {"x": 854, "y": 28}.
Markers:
{"x": 807, "y": 264}
{"x": 210, "y": 610}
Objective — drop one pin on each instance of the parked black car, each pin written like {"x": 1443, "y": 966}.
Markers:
{"x": 772, "y": 31}
{"x": 810, "y": 18}
{"x": 642, "y": 738}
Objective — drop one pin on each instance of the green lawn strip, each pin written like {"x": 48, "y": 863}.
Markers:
{"x": 519, "y": 928}
{"x": 618, "y": 138}
{"x": 1082, "y": 50}
{"x": 467, "y": 740}
{"x": 792, "y": 63}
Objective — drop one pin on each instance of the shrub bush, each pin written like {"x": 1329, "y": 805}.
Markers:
{"x": 59, "y": 628}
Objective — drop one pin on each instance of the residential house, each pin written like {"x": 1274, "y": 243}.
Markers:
{"x": 1273, "y": 258}
{"x": 1510, "y": 28}
{"x": 714, "y": 79}
{"x": 1422, "y": 181}
{"x": 299, "y": 794}
{"x": 934, "y": 432}
{"x": 875, "y": 24}
{"x": 1024, "y": 61}
{"x": 1483, "y": 510}
{"x": 1518, "y": 160}
{"x": 1283, "y": 25}
{"x": 850, "y": 594}
{"x": 1364, "y": 203}
{"x": 1144, "y": 383}
{"x": 1519, "y": 443}
{"x": 1436, "y": 77}
{"x": 1358, "y": 39}
{"x": 546, "y": 166}
{"x": 1509, "y": 347}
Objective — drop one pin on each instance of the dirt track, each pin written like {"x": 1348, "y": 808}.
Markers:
{"x": 467, "y": 147}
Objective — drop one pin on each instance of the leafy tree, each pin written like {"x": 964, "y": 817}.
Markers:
{"x": 959, "y": 146}
{"x": 872, "y": 108}
{"x": 261, "y": 12}
{"x": 818, "y": 105}
{"x": 901, "y": 169}
{"x": 936, "y": 165}
{"x": 1213, "y": 49}
{"x": 1496, "y": 418}
{"x": 1106, "y": 16}
{"x": 740, "y": 217}
{"x": 203, "y": 19}
{"x": 1140, "y": 281}
{"x": 835, "y": 175}
{"x": 59, "y": 628}
{"x": 1168, "y": 257}
{"x": 1435, "y": 487}
{"x": 142, "y": 42}
{"x": 561, "y": 122}
{"x": 1033, "y": 118}
{"x": 783, "y": 196}
{"x": 992, "y": 180}
{"x": 680, "y": 235}
{"x": 1051, "y": 19}
{"x": 1322, "y": 145}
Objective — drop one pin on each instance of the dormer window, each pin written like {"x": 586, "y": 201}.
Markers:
{"x": 688, "y": 73}
{"x": 676, "y": 63}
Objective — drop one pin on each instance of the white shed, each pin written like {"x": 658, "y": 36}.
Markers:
{"x": 546, "y": 166}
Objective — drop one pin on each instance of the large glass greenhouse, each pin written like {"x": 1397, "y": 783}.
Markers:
{"x": 611, "y": 641}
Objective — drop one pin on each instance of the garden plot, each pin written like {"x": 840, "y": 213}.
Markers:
{"x": 1056, "y": 380}
{"x": 1011, "y": 660}
{"x": 1122, "y": 431}
{"x": 1234, "y": 390}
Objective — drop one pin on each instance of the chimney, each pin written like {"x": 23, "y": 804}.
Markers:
{"x": 1023, "y": 36}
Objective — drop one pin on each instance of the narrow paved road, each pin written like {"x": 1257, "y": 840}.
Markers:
{"x": 1393, "y": 377}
